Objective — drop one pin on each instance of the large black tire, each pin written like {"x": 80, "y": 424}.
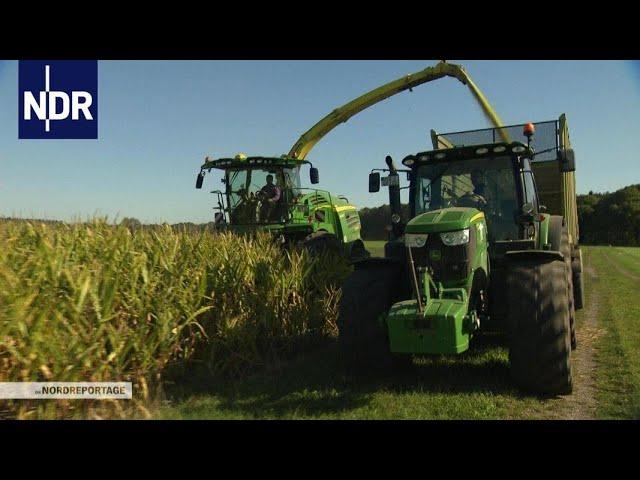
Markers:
{"x": 559, "y": 234}
{"x": 367, "y": 294}
{"x": 358, "y": 251}
{"x": 578, "y": 290}
{"x": 566, "y": 251}
{"x": 540, "y": 340}
{"x": 321, "y": 241}
{"x": 578, "y": 287}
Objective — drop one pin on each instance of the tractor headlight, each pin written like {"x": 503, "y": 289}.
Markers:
{"x": 415, "y": 240}
{"x": 459, "y": 237}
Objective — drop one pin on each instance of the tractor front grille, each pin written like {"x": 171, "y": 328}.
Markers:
{"x": 446, "y": 263}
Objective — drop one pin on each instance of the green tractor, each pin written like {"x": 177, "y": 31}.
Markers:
{"x": 491, "y": 245}
{"x": 264, "y": 194}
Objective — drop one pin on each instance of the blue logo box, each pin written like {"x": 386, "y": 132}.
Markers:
{"x": 58, "y": 99}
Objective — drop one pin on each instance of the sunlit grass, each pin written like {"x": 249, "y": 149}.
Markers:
{"x": 375, "y": 247}
{"x": 618, "y": 354}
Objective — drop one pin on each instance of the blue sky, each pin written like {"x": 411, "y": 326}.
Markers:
{"x": 157, "y": 121}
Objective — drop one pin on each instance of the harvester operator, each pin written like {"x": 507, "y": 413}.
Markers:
{"x": 271, "y": 191}
{"x": 270, "y": 195}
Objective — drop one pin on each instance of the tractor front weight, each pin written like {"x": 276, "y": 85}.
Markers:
{"x": 443, "y": 325}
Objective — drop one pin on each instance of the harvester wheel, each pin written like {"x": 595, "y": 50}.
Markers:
{"x": 321, "y": 241}
{"x": 540, "y": 342}
{"x": 358, "y": 251}
{"x": 366, "y": 295}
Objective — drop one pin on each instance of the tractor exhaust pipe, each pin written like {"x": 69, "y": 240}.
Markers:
{"x": 416, "y": 287}
{"x": 394, "y": 198}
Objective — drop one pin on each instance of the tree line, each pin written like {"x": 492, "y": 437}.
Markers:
{"x": 609, "y": 218}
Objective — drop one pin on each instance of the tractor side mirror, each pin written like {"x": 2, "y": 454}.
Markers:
{"x": 314, "y": 175}
{"x": 199, "y": 179}
{"x": 374, "y": 182}
{"x": 567, "y": 160}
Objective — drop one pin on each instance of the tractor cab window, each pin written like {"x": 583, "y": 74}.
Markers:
{"x": 487, "y": 184}
{"x": 529, "y": 189}
{"x": 256, "y": 195}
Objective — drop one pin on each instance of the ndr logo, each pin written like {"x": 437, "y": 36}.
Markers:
{"x": 58, "y": 99}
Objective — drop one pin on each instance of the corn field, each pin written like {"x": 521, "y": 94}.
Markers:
{"x": 97, "y": 302}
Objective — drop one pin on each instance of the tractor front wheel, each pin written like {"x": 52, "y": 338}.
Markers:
{"x": 367, "y": 295}
{"x": 540, "y": 337}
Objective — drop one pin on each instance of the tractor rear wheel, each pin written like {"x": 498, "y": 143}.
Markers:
{"x": 565, "y": 248}
{"x": 559, "y": 236}
{"x": 540, "y": 340}
{"x": 364, "y": 342}
{"x": 578, "y": 287}
{"x": 566, "y": 251}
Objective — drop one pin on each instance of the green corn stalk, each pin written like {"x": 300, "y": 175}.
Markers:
{"x": 97, "y": 302}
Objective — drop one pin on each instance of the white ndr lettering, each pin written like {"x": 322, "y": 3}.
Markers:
{"x": 40, "y": 107}
{"x": 57, "y": 105}
{"x": 54, "y": 114}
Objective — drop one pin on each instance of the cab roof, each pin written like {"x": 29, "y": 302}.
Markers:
{"x": 463, "y": 153}
{"x": 242, "y": 161}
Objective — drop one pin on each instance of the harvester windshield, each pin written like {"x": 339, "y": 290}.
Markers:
{"x": 487, "y": 184}
{"x": 261, "y": 195}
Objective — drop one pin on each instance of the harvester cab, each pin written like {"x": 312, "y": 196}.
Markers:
{"x": 491, "y": 245}
{"x": 265, "y": 194}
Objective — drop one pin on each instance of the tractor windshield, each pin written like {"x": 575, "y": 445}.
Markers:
{"x": 487, "y": 184}
{"x": 260, "y": 195}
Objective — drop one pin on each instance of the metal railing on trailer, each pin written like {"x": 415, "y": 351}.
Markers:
{"x": 557, "y": 190}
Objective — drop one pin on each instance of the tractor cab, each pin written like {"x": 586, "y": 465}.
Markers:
{"x": 259, "y": 191}
{"x": 493, "y": 179}
{"x": 494, "y": 171}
